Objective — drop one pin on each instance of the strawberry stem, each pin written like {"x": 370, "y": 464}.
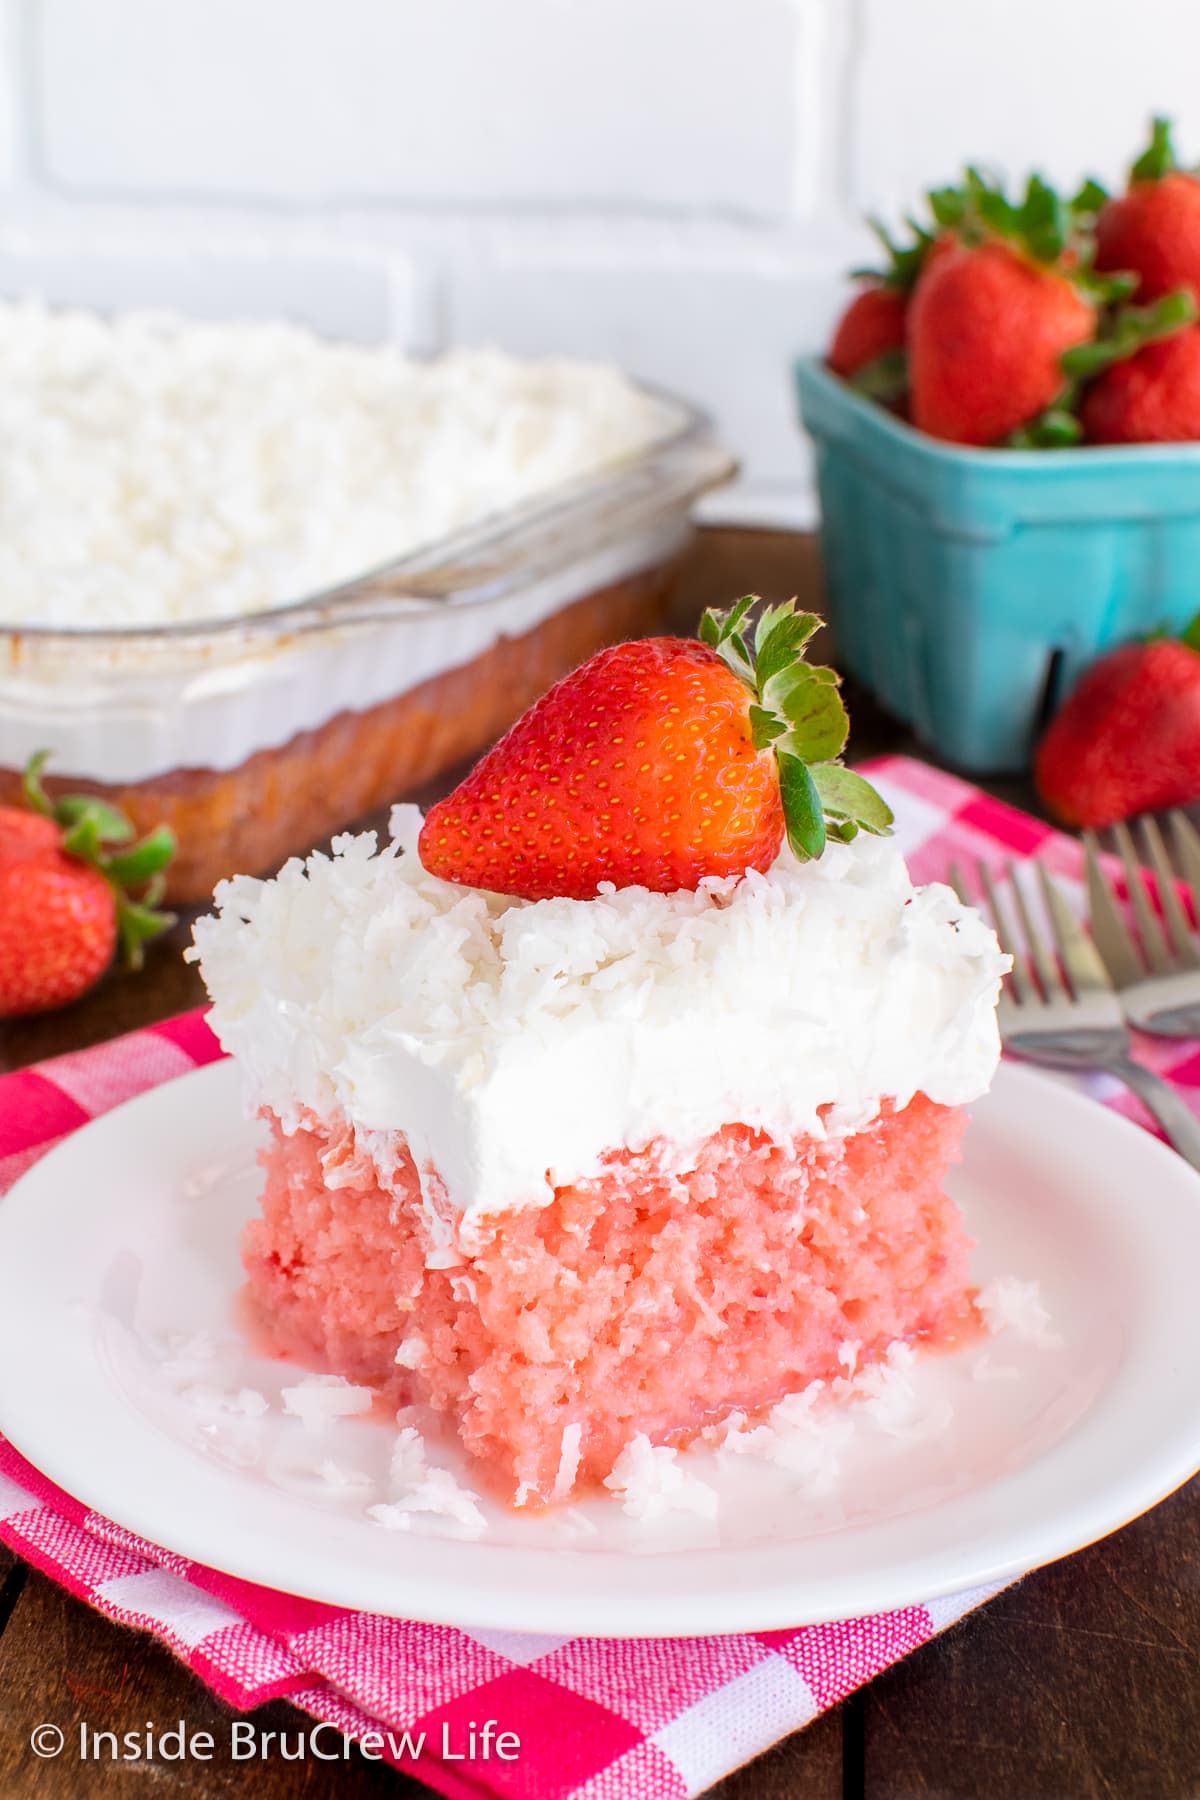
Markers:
{"x": 797, "y": 713}
{"x": 1159, "y": 158}
{"x": 904, "y": 261}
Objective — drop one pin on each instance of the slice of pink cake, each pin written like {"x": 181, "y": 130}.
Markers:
{"x": 571, "y": 1171}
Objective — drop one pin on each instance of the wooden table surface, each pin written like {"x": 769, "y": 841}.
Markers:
{"x": 1082, "y": 1681}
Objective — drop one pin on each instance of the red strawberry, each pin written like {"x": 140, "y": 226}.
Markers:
{"x": 1153, "y": 228}
{"x": 63, "y": 908}
{"x": 1128, "y": 739}
{"x": 1152, "y": 397}
{"x": 869, "y": 338}
{"x": 987, "y": 326}
{"x": 659, "y": 763}
{"x": 872, "y": 325}
{"x": 58, "y": 926}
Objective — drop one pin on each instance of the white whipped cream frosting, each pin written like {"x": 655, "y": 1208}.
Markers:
{"x": 515, "y": 1042}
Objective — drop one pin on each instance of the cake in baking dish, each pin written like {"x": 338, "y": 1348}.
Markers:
{"x": 575, "y": 1158}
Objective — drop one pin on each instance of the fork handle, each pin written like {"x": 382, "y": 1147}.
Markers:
{"x": 1165, "y": 1102}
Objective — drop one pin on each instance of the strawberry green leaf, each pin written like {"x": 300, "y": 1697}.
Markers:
{"x": 1090, "y": 198}
{"x": 83, "y": 840}
{"x": 950, "y": 207}
{"x": 1159, "y": 159}
{"x": 1129, "y": 330}
{"x": 110, "y": 825}
{"x": 1044, "y": 220}
{"x": 137, "y": 925}
{"x": 1105, "y": 289}
{"x": 741, "y": 647}
{"x": 796, "y": 714}
{"x": 904, "y": 262}
{"x": 765, "y": 727}
{"x": 1191, "y": 636}
{"x": 884, "y": 378}
{"x": 804, "y": 818}
{"x": 36, "y": 796}
{"x": 1055, "y": 429}
{"x": 816, "y": 718}
{"x": 778, "y": 639}
{"x": 132, "y": 867}
{"x": 849, "y": 797}
{"x": 719, "y": 627}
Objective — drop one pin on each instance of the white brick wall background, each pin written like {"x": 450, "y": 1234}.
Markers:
{"x": 672, "y": 184}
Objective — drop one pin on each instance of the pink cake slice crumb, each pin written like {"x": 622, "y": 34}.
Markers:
{"x": 652, "y": 1298}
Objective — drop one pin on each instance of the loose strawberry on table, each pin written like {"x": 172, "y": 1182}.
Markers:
{"x": 1127, "y": 739}
{"x": 658, "y": 763}
{"x": 65, "y": 909}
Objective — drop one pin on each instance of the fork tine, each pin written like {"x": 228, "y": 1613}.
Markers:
{"x": 1112, "y": 935}
{"x": 958, "y": 881}
{"x": 959, "y": 884}
{"x": 1047, "y": 969}
{"x": 1149, "y": 930}
{"x": 1018, "y": 978}
{"x": 1178, "y": 934}
{"x": 1186, "y": 844}
{"x": 1080, "y": 958}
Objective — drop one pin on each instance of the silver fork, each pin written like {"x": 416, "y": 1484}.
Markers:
{"x": 1059, "y": 1008}
{"x": 1157, "y": 974}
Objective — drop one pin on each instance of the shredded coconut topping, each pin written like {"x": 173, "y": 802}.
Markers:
{"x": 155, "y": 470}
{"x": 514, "y": 1042}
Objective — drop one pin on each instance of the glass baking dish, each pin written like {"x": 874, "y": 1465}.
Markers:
{"x": 257, "y": 736}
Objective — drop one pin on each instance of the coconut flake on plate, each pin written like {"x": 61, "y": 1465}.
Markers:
{"x": 417, "y": 1489}
{"x": 1010, "y": 1304}
{"x": 651, "y": 1482}
{"x": 246, "y": 1402}
{"x": 341, "y": 1480}
{"x": 319, "y": 1399}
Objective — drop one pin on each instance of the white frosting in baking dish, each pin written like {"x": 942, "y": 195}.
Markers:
{"x": 515, "y": 1042}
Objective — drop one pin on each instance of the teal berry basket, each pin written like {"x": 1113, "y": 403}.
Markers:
{"x": 969, "y": 589}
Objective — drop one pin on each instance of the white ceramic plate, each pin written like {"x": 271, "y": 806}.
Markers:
{"x": 121, "y": 1245}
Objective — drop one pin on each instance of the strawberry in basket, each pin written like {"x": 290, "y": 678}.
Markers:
{"x": 1153, "y": 228}
{"x": 995, "y": 311}
{"x": 1151, "y": 397}
{"x": 868, "y": 348}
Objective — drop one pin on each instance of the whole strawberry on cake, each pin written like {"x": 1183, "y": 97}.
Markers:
{"x": 617, "y": 1095}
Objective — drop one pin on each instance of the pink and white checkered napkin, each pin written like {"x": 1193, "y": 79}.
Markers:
{"x": 598, "y": 1719}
